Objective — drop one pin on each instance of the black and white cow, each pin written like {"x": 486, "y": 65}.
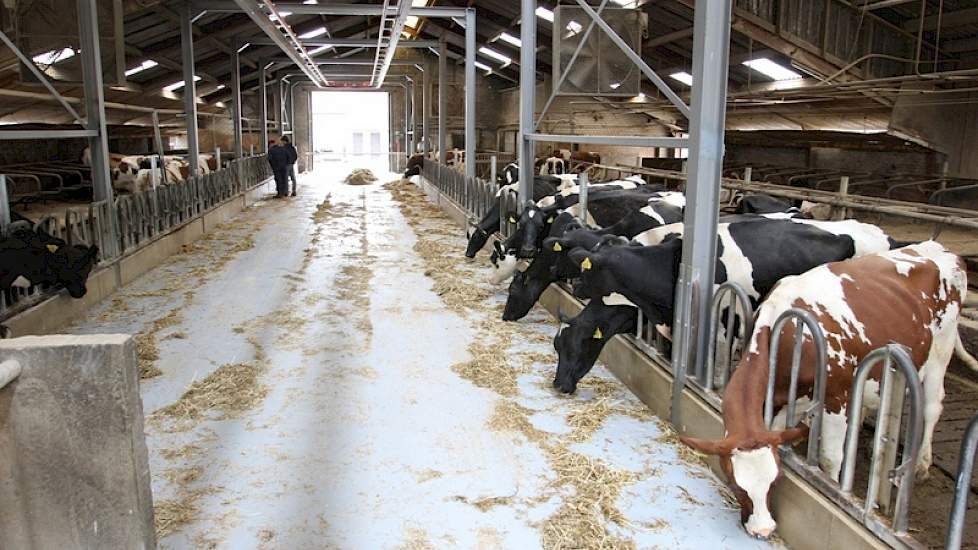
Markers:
{"x": 414, "y": 165}
{"x": 609, "y": 201}
{"x": 762, "y": 204}
{"x": 755, "y": 254}
{"x": 29, "y": 257}
{"x": 543, "y": 186}
{"x": 551, "y": 264}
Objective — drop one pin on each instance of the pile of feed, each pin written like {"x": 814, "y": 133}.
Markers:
{"x": 360, "y": 176}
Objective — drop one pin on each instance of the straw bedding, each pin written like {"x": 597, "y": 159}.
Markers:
{"x": 232, "y": 389}
{"x": 360, "y": 176}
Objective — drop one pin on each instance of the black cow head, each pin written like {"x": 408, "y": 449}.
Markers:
{"x": 595, "y": 281}
{"x": 533, "y": 227}
{"x": 526, "y": 288}
{"x": 71, "y": 265}
{"x": 580, "y": 340}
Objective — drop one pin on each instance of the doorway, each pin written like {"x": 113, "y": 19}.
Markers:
{"x": 351, "y": 125}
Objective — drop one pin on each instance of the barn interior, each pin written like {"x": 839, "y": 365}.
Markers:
{"x": 324, "y": 367}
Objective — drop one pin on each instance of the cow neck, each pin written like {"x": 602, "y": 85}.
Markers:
{"x": 743, "y": 398}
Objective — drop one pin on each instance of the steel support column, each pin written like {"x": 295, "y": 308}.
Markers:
{"x": 414, "y": 118}
{"x": 426, "y": 109}
{"x": 407, "y": 122}
{"x": 237, "y": 112}
{"x": 91, "y": 63}
{"x": 470, "y": 93}
{"x": 711, "y": 42}
{"x": 189, "y": 87}
{"x": 442, "y": 83}
{"x": 528, "y": 86}
{"x": 262, "y": 107}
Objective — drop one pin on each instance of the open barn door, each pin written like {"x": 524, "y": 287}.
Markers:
{"x": 352, "y": 126}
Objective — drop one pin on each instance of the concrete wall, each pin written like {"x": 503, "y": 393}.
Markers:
{"x": 950, "y": 127}
{"x": 74, "y": 471}
{"x": 837, "y": 159}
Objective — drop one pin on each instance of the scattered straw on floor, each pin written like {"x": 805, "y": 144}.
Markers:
{"x": 172, "y": 514}
{"x": 490, "y": 368}
{"x": 415, "y": 539}
{"x": 232, "y": 390}
{"x": 589, "y": 506}
{"x": 580, "y": 522}
{"x": 360, "y": 176}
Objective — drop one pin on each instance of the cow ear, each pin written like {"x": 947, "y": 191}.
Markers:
{"x": 789, "y": 436}
{"x": 93, "y": 252}
{"x": 578, "y": 255}
{"x": 708, "y": 446}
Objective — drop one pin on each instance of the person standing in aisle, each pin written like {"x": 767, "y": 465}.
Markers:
{"x": 293, "y": 158}
{"x": 278, "y": 158}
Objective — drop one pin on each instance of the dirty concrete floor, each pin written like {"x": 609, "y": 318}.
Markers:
{"x": 311, "y": 384}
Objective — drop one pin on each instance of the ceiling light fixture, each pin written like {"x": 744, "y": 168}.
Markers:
{"x": 683, "y": 76}
{"x": 771, "y": 69}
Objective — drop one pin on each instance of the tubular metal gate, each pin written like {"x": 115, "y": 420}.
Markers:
{"x": 140, "y": 218}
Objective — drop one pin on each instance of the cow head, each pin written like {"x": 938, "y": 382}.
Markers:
{"x": 71, "y": 265}
{"x": 580, "y": 340}
{"x": 477, "y": 239}
{"x": 526, "y": 288}
{"x": 751, "y": 464}
{"x": 576, "y": 236}
{"x": 533, "y": 227}
{"x": 596, "y": 280}
{"x": 504, "y": 263}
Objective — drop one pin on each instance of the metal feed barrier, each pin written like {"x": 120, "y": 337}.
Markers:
{"x": 473, "y": 195}
{"x": 139, "y": 218}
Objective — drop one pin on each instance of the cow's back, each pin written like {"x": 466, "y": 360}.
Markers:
{"x": 866, "y": 303}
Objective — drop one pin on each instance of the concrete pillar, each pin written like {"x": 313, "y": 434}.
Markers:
{"x": 73, "y": 463}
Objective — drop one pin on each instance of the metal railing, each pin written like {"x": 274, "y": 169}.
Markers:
{"x": 139, "y": 218}
{"x": 962, "y": 486}
{"x": 475, "y": 196}
{"x": 722, "y": 357}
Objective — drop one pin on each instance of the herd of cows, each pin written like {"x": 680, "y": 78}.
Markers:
{"x": 864, "y": 289}
{"x": 134, "y": 173}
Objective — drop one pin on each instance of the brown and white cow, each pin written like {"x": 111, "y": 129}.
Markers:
{"x": 911, "y": 296}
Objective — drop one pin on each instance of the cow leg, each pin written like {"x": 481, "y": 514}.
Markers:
{"x": 932, "y": 379}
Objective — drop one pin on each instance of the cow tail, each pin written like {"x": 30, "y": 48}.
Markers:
{"x": 963, "y": 354}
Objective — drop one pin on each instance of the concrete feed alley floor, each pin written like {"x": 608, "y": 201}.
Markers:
{"x": 336, "y": 375}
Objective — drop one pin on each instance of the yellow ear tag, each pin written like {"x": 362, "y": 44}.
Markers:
{"x": 597, "y": 333}
{"x": 512, "y": 219}
{"x": 52, "y": 248}
{"x": 586, "y": 264}
{"x": 550, "y": 219}
{"x": 557, "y": 247}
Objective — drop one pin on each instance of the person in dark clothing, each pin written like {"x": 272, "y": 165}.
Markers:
{"x": 278, "y": 158}
{"x": 293, "y": 158}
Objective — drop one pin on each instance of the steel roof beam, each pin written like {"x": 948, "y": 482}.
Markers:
{"x": 403, "y": 9}
{"x": 343, "y": 42}
{"x": 283, "y": 37}
{"x": 333, "y": 9}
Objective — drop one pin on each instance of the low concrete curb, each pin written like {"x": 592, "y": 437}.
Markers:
{"x": 60, "y": 310}
{"x": 806, "y": 519}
